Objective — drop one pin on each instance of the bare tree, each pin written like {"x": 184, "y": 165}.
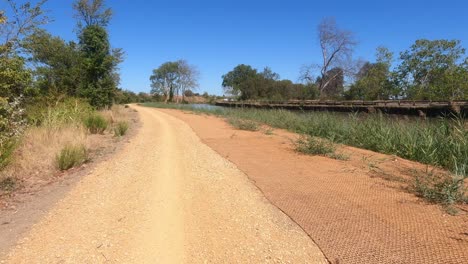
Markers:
{"x": 188, "y": 77}
{"x": 21, "y": 21}
{"x": 92, "y": 13}
{"x": 337, "y": 47}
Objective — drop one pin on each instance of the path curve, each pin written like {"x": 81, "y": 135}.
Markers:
{"x": 165, "y": 198}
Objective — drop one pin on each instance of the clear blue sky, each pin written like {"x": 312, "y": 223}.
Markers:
{"x": 218, "y": 35}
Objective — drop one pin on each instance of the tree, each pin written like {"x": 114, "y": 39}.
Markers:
{"x": 188, "y": 78}
{"x": 238, "y": 81}
{"x": 434, "y": 70}
{"x": 269, "y": 74}
{"x": 17, "y": 23}
{"x": 22, "y": 20}
{"x": 249, "y": 84}
{"x": 374, "y": 79}
{"x": 337, "y": 46}
{"x": 58, "y": 65}
{"x": 173, "y": 78}
{"x": 334, "y": 79}
{"x": 100, "y": 61}
{"x": 92, "y": 13}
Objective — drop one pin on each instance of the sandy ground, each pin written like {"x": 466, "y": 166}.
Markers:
{"x": 357, "y": 211}
{"x": 165, "y": 198}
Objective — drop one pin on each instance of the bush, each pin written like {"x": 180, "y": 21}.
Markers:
{"x": 12, "y": 126}
{"x": 121, "y": 128}
{"x": 243, "y": 124}
{"x": 96, "y": 123}
{"x": 315, "y": 146}
{"x": 71, "y": 156}
{"x": 441, "y": 188}
{"x": 8, "y": 184}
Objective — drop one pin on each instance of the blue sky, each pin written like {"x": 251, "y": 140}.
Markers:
{"x": 218, "y": 35}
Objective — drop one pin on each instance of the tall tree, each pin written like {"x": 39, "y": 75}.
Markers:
{"x": 57, "y": 64}
{"x": 99, "y": 61}
{"x": 173, "y": 78}
{"x": 337, "y": 46}
{"x": 17, "y": 22}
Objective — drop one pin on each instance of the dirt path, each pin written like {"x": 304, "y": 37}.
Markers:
{"x": 357, "y": 211}
{"x": 165, "y": 198}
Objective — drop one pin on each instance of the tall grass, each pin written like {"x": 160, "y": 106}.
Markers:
{"x": 440, "y": 142}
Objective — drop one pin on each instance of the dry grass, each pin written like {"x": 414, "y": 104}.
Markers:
{"x": 35, "y": 158}
{"x": 34, "y": 161}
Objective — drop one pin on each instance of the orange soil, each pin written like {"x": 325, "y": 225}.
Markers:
{"x": 357, "y": 211}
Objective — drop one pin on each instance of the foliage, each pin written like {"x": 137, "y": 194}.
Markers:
{"x": 315, "y": 146}
{"x": 19, "y": 21}
{"x": 71, "y": 156}
{"x": 374, "y": 80}
{"x": 12, "y": 125}
{"x": 434, "y": 70}
{"x": 96, "y": 123}
{"x": 99, "y": 84}
{"x": 121, "y": 129}
{"x": 247, "y": 83}
{"x": 56, "y": 113}
{"x": 59, "y": 64}
{"x": 441, "y": 188}
{"x": 15, "y": 79}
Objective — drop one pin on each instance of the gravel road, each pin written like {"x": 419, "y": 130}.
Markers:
{"x": 165, "y": 198}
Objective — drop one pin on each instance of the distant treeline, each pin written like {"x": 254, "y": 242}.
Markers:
{"x": 428, "y": 70}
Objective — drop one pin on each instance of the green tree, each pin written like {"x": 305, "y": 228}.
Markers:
{"x": 241, "y": 82}
{"x": 434, "y": 70}
{"x": 15, "y": 79}
{"x": 99, "y": 83}
{"x": 100, "y": 62}
{"x": 58, "y": 64}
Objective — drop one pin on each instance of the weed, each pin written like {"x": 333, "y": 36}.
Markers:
{"x": 441, "y": 188}
{"x": 96, "y": 123}
{"x": 315, "y": 146}
{"x": 71, "y": 156}
{"x": 8, "y": 184}
{"x": 269, "y": 132}
{"x": 243, "y": 124}
{"x": 121, "y": 128}
{"x": 339, "y": 156}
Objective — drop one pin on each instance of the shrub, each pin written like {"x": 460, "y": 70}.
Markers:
{"x": 243, "y": 124}
{"x": 96, "y": 123}
{"x": 315, "y": 146}
{"x": 441, "y": 187}
{"x": 121, "y": 128}
{"x": 12, "y": 126}
{"x": 8, "y": 184}
{"x": 71, "y": 156}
